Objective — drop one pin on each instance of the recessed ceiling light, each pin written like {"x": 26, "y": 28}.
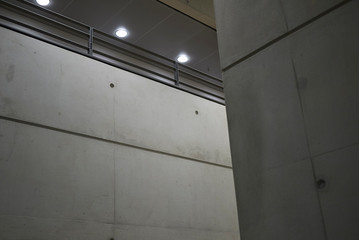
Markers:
{"x": 182, "y": 58}
{"x": 43, "y": 2}
{"x": 121, "y": 32}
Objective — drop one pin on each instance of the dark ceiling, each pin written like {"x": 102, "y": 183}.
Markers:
{"x": 151, "y": 25}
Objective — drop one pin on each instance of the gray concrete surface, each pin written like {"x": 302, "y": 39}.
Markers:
{"x": 82, "y": 160}
{"x": 150, "y": 233}
{"x": 341, "y": 196}
{"x": 326, "y": 56}
{"x": 298, "y": 12}
{"x": 76, "y": 96}
{"x": 48, "y": 174}
{"x": 23, "y": 227}
{"x": 269, "y": 143}
{"x": 280, "y": 203}
{"x": 244, "y": 26}
{"x": 264, "y": 110}
{"x": 293, "y": 119}
{"x": 158, "y": 190}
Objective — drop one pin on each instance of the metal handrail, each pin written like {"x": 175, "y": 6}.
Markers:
{"x": 132, "y": 45}
{"x": 94, "y": 36}
{"x": 130, "y": 53}
{"x": 44, "y": 32}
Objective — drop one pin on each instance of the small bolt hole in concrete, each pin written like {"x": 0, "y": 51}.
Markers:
{"x": 321, "y": 184}
{"x": 196, "y": 112}
{"x": 112, "y": 85}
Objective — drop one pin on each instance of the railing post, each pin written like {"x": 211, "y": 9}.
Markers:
{"x": 176, "y": 74}
{"x": 90, "y": 42}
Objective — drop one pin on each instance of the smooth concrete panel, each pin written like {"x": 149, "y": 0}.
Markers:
{"x": 340, "y": 197}
{"x": 264, "y": 115}
{"x": 163, "y": 191}
{"x": 244, "y": 26}
{"x": 298, "y": 12}
{"x": 44, "y": 84}
{"x": 130, "y": 232}
{"x": 274, "y": 181}
{"x": 160, "y": 118}
{"x": 280, "y": 203}
{"x": 15, "y": 228}
{"x": 44, "y": 173}
{"x": 326, "y": 58}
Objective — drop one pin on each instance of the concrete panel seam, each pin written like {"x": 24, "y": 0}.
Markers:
{"x": 335, "y": 150}
{"x": 287, "y": 34}
{"x": 284, "y": 164}
{"x": 114, "y": 184}
{"x": 170, "y": 227}
{"x": 308, "y": 147}
{"x": 110, "y": 141}
{"x": 57, "y": 219}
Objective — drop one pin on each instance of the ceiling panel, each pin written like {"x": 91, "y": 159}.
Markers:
{"x": 201, "y": 10}
{"x": 93, "y": 13}
{"x": 55, "y": 6}
{"x": 170, "y": 34}
{"x": 139, "y": 17}
{"x": 199, "y": 46}
{"x": 152, "y": 25}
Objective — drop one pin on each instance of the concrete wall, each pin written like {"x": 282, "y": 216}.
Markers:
{"x": 292, "y": 93}
{"x": 82, "y": 160}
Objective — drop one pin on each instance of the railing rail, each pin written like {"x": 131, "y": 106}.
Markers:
{"x": 53, "y": 28}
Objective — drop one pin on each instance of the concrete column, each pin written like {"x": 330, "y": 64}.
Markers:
{"x": 292, "y": 93}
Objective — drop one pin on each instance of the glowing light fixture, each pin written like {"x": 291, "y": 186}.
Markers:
{"x": 43, "y": 2}
{"x": 182, "y": 58}
{"x": 121, "y": 32}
